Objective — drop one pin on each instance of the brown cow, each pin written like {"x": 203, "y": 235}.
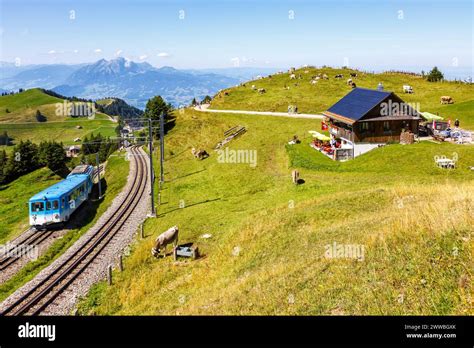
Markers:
{"x": 445, "y": 99}
{"x": 167, "y": 237}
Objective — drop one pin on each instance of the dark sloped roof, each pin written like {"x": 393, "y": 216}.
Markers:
{"x": 358, "y": 103}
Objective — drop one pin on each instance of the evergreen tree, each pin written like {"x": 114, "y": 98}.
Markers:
{"x": 435, "y": 75}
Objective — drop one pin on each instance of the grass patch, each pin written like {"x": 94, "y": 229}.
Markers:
{"x": 317, "y": 98}
{"x": 266, "y": 254}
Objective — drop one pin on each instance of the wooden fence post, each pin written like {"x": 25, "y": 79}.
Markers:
{"x": 120, "y": 263}
{"x": 142, "y": 233}
{"x": 109, "y": 274}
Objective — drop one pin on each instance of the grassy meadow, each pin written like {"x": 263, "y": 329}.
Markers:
{"x": 411, "y": 222}
{"x": 317, "y": 98}
{"x": 20, "y": 122}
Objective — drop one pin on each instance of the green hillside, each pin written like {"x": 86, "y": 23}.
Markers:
{"x": 21, "y": 124}
{"x": 267, "y": 250}
{"x": 319, "y": 97}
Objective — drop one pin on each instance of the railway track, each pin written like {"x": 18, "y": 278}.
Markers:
{"x": 22, "y": 247}
{"x": 42, "y": 294}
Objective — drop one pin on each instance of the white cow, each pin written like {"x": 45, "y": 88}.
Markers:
{"x": 407, "y": 89}
{"x": 167, "y": 237}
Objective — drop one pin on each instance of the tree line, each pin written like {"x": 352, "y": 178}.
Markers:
{"x": 27, "y": 157}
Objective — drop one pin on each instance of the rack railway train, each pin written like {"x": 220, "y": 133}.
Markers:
{"x": 57, "y": 203}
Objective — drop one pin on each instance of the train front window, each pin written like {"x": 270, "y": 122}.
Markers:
{"x": 37, "y": 206}
{"x": 55, "y": 205}
{"x": 48, "y": 205}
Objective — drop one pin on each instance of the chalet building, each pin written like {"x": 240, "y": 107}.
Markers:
{"x": 371, "y": 116}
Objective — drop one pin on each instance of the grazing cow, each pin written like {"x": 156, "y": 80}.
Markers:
{"x": 254, "y": 87}
{"x": 201, "y": 154}
{"x": 339, "y": 76}
{"x": 292, "y": 77}
{"x": 407, "y": 89}
{"x": 226, "y": 93}
{"x": 325, "y": 77}
{"x": 349, "y": 82}
{"x": 261, "y": 90}
{"x": 292, "y": 70}
{"x": 313, "y": 82}
{"x": 353, "y": 85}
{"x": 445, "y": 99}
{"x": 167, "y": 237}
{"x": 353, "y": 74}
{"x": 295, "y": 176}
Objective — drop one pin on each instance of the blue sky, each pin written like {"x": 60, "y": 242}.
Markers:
{"x": 369, "y": 34}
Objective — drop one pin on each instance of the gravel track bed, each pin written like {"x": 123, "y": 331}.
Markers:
{"x": 97, "y": 270}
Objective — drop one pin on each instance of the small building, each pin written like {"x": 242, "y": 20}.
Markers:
{"x": 371, "y": 116}
{"x": 73, "y": 151}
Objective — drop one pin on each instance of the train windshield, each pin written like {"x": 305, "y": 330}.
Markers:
{"x": 37, "y": 206}
{"x": 52, "y": 205}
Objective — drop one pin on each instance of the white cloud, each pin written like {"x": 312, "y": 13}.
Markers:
{"x": 98, "y": 50}
{"x": 163, "y": 54}
{"x": 52, "y": 52}
{"x": 118, "y": 53}
{"x": 235, "y": 61}
{"x": 76, "y": 51}
{"x": 143, "y": 57}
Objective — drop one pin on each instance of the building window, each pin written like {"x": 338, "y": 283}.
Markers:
{"x": 364, "y": 127}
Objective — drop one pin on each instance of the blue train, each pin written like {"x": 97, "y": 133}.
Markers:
{"x": 57, "y": 203}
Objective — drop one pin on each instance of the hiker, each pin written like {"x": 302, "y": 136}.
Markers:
{"x": 456, "y": 123}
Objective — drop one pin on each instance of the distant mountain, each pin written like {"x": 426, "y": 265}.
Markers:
{"x": 133, "y": 82}
{"x": 240, "y": 73}
{"x": 44, "y": 76}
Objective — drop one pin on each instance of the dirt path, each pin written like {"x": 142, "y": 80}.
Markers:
{"x": 205, "y": 108}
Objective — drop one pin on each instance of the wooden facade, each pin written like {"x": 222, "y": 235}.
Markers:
{"x": 373, "y": 124}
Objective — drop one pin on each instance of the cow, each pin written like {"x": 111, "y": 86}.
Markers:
{"x": 261, "y": 90}
{"x": 353, "y": 74}
{"x": 353, "y": 85}
{"x": 254, "y": 87}
{"x": 295, "y": 176}
{"x": 226, "y": 93}
{"x": 445, "y": 99}
{"x": 349, "y": 82}
{"x": 339, "y": 76}
{"x": 325, "y": 77}
{"x": 407, "y": 89}
{"x": 199, "y": 154}
{"x": 313, "y": 82}
{"x": 167, "y": 237}
{"x": 292, "y": 77}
